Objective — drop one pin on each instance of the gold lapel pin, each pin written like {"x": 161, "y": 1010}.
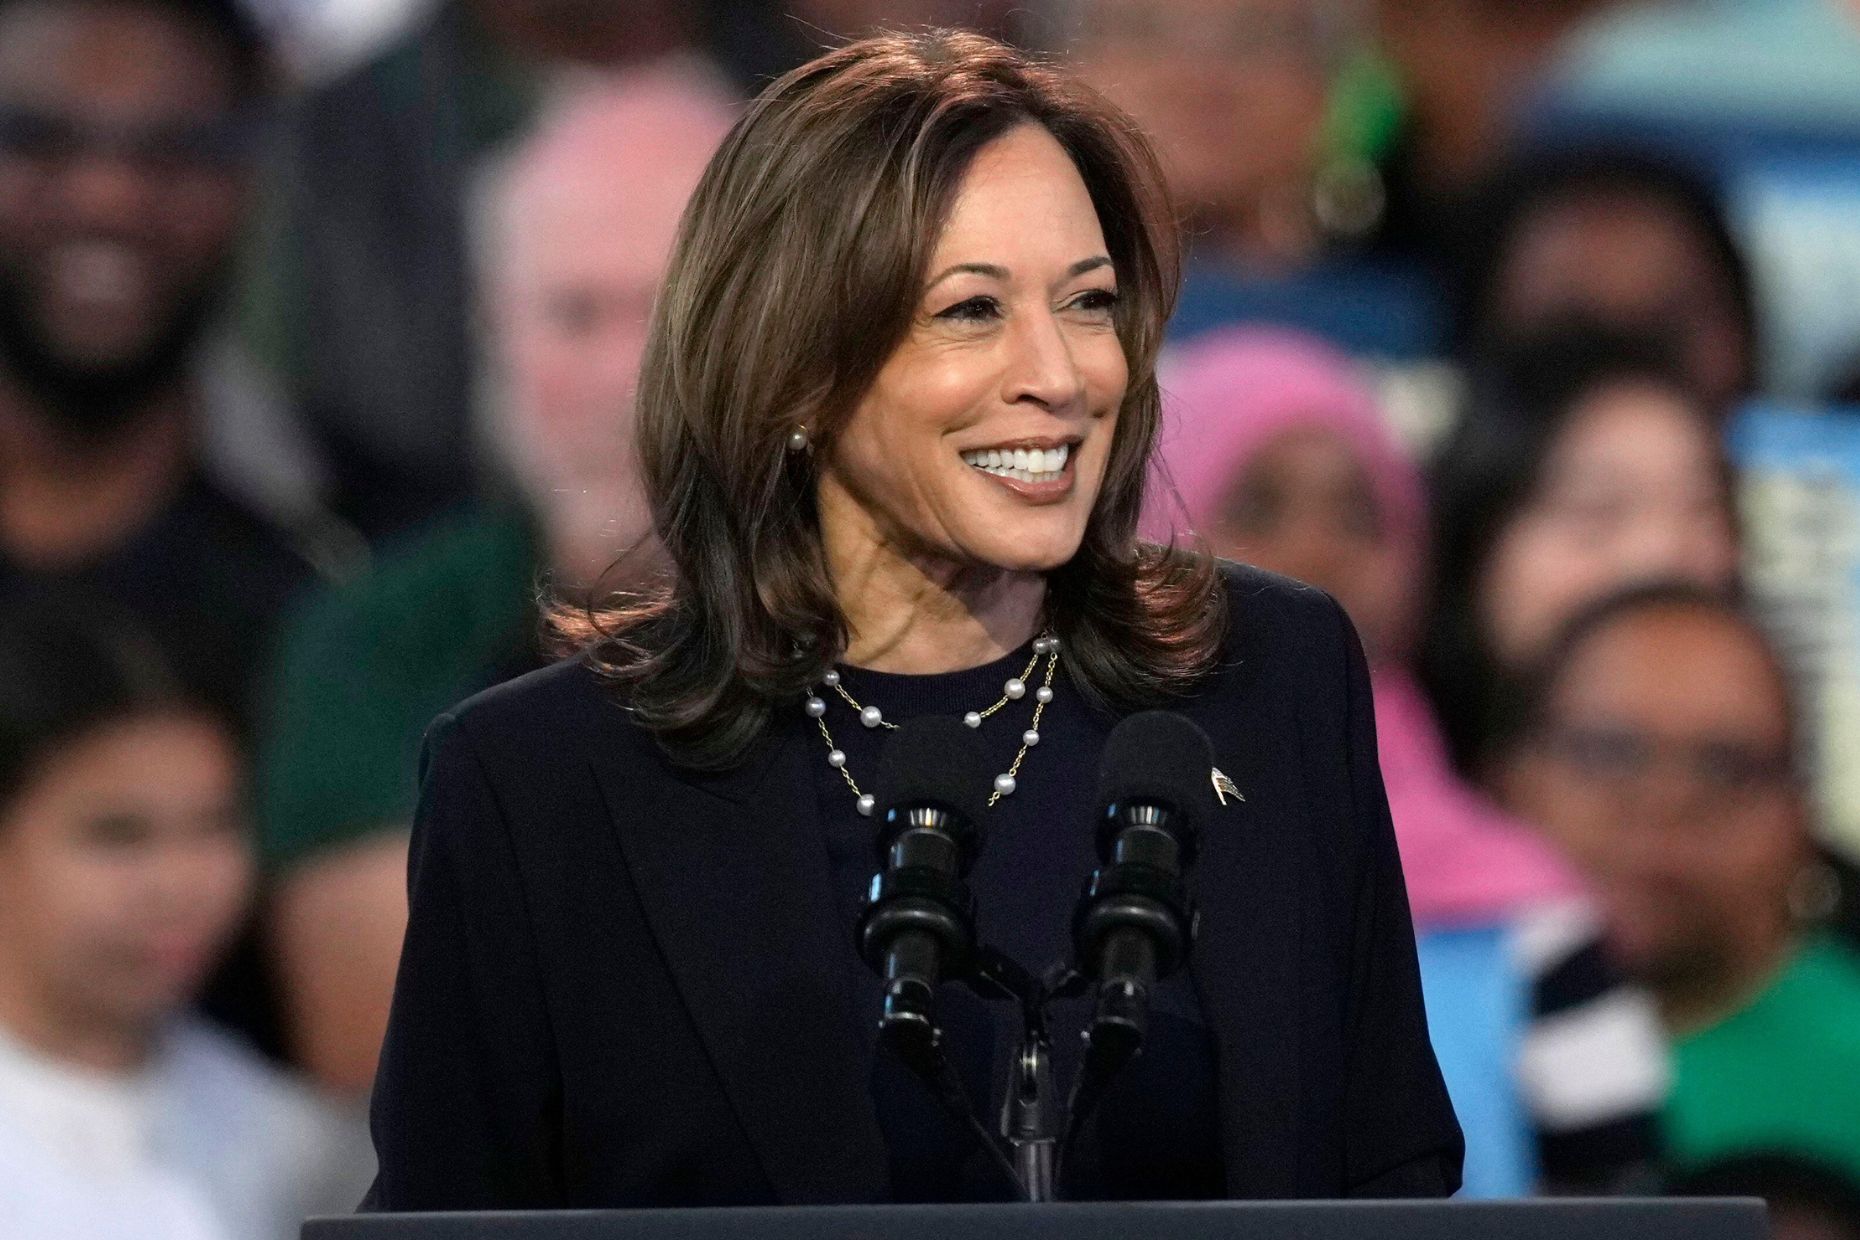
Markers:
{"x": 1223, "y": 786}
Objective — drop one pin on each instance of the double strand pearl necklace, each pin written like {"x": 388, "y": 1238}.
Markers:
{"x": 1046, "y": 645}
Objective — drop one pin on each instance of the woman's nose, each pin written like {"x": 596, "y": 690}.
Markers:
{"x": 1042, "y": 368}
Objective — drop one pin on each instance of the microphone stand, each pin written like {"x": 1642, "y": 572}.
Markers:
{"x": 1030, "y": 1117}
{"x": 1037, "y": 1131}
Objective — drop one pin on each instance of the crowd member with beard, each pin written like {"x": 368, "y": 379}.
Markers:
{"x": 1657, "y": 750}
{"x": 569, "y": 262}
{"x": 127, "y": 130}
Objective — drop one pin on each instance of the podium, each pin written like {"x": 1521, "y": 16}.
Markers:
{"x": 1553, "y": 1219}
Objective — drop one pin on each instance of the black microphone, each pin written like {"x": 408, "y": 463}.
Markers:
{"x": 917, "y": 928}
{"x": 1136, "y": 921}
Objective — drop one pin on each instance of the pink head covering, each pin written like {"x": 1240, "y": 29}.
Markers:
{"x": 1225, "y": 396}
{"x": 1230, "y": 392}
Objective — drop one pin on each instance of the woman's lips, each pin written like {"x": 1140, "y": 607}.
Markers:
{"x": 1033, "y": 481}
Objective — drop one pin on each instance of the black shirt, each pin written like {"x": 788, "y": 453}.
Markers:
{"x": 1156, "y": 1134}
{"x": 630, "y": 983}
{"x": 206, "y": 578}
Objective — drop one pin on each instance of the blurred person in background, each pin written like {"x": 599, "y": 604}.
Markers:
{"x": 362, "y": 283}
{"x": 1658, "y": 750}
{"x": 1584, "y": 461}
{"x": 127, "y": 132}
{"x": 1629, "y": 239}
{"x": 126, "y": 136}
{"x": 571, "y": 253}
{"x": 1461, "y": 74}
{"x": 1281, "y": 458}
{"x": 125, "y": 865}
{"x": 1809, "y": 1199}
{"x": 1236, "y": 94}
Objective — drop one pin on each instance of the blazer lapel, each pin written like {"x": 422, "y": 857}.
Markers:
{"x": 733, "y": 873}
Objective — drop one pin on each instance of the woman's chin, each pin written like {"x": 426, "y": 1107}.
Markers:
{"x": 1028, "y": 557}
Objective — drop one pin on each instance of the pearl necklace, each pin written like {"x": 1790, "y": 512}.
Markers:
{"x": 1016, "y": 688}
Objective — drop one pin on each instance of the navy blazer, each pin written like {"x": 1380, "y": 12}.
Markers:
{"x": 628, "y": 984}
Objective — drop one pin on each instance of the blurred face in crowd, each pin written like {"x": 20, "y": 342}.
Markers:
{"x": 1304, "y": 506}
{"x": 122, "y": 186}
{"x": 1231, "y": 91}
{"x": 1634, "y": 264}
{"x": 984, "y": 439}
{"x": 1630, "y": 491}
{"x": 1662, "y": 768}
{"x": 125, "y": 865}
{"x": 578, "y": 253}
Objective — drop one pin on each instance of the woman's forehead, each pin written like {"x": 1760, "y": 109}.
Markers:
{"x": 1021, "y": 204}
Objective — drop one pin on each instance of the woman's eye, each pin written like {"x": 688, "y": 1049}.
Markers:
{"x": 974, "y": 310}
{"x": 1097, "y": 301}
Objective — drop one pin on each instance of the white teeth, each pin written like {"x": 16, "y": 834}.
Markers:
{"x": 1021, "y": 464}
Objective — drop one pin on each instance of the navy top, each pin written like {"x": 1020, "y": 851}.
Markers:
{"x": 629, "y": 983}
{"x": 1156, "y": 1134}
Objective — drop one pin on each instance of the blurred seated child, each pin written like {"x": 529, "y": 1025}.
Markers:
{"x": 1657, "y": 749}
{"x": 125, "y": 864}
{"x": 1280, "y": 457}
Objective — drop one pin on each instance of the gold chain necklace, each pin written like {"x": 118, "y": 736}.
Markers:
{"x": 1016, "y": 688}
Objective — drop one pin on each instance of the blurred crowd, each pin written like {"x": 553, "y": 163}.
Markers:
{"x": 319, "y": 322}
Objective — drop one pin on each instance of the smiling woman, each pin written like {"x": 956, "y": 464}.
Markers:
{"x": 895, "y": 417}
{"x": 908, "y": 251}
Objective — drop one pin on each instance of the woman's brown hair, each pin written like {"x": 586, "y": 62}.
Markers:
{"x": 798, "y": 265}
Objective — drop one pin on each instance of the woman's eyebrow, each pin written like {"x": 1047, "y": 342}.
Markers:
{"x": 995, "y": 271}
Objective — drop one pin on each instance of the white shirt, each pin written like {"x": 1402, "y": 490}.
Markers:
{"x": 207, "y": 1142}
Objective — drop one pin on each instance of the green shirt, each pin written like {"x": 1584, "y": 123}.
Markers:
{"x": 1783, "y": 1075}
{"x": 365, "y": 667}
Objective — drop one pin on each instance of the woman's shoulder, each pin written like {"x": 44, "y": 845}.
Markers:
{"x": 554, "y": 716}
{"x": 1281, "y": 628}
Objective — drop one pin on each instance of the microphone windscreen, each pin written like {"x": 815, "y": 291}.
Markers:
{"x": 1161, "y": 758}
{"x": 935, "y": 761}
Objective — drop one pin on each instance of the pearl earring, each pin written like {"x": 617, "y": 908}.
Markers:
{"x": 797, "y": 439}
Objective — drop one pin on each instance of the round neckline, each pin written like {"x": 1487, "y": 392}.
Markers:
{"x": 1013, "y": 660}
{"x": 907, "y": 695}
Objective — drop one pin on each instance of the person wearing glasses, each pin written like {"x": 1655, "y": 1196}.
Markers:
{"x": 1657, "y": 748}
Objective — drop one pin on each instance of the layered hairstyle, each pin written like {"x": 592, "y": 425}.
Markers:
{"x": 800, "y": 261}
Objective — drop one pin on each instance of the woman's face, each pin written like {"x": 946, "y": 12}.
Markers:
{"x": 1303, "y": 505}
{"x": 125, "y": 865}
{"x": 984, "y": 439}
{"x": 1630, "y": 492}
